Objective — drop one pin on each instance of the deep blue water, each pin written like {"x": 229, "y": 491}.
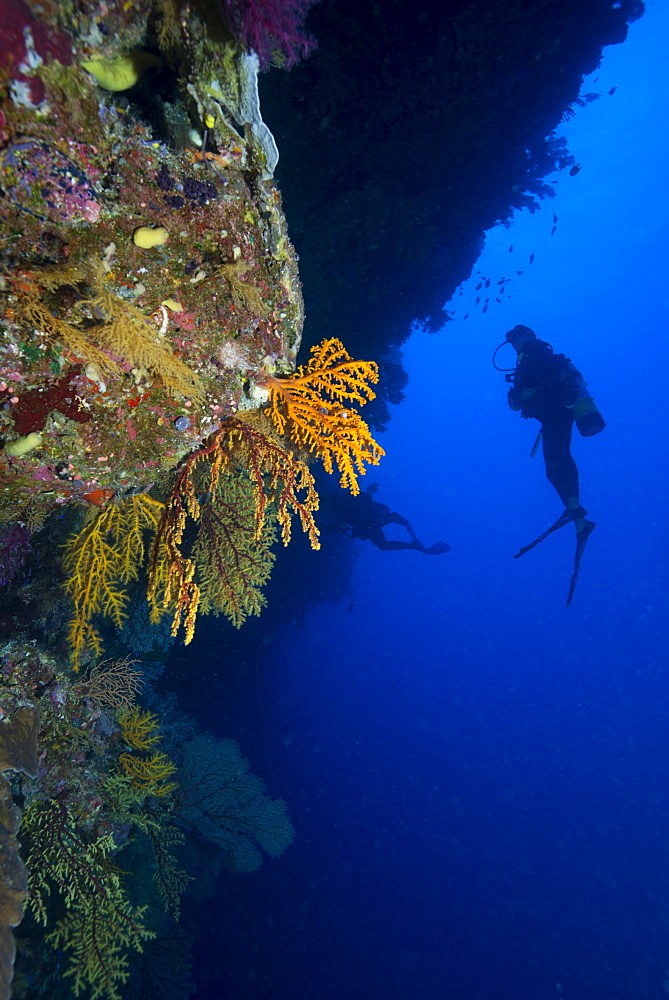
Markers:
{"x": 479, "y": 776}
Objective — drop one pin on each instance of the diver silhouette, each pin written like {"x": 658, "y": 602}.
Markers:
{"x": 365, "y": 518}
{"x": 547, "y": 387}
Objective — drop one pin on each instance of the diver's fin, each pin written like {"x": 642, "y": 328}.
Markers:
{"x": 581, "y": 541}
{"x": 437, "y": 549}
{"x": 566, "y": 518}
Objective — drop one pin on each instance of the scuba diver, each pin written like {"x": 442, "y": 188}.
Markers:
{"x": 363, "y": 517}
{"x": 547, "y": 387}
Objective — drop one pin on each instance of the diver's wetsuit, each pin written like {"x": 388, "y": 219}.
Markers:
{"x": 362, "y": 517}
{"x": 555, "y": 383}
{"x": 366, "y": 519}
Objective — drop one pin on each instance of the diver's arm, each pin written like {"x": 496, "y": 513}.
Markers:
{"x": 512, "y": 398}
{"x": 517, "y": 396}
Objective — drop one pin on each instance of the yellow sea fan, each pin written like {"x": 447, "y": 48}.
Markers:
{"x": 313, "y": 409}
{"x": 101, "y": 560}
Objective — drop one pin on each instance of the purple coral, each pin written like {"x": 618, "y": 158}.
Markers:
{"x": 270, "y": 28}
{"x": 40, "y": 179}
{"x": 14, "y": 547}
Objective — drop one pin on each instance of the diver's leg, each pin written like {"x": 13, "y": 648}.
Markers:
{"x": 394, "y": 518}
{"x": 561, "y": 470}
{"x": 377, "y": 538}
{"x": 433, "y": 550}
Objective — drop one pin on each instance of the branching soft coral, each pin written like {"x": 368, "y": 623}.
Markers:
{"x": 149, "y": 774}
{"x": 233, "y": 563}
{"x": 312, "y": 408}
{"x": 123, "y": 332}
{"x": 98, "y": 926}
{"x": 101, "y": 560}
{"x": 235, "y": 486}
{"x": 126, "y": 334}
{"x": 271, "y": 28}
{"x": 276, "y": 480}
{"x": 139, "y": 729}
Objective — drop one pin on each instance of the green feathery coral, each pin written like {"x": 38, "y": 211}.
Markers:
{"x": 100, "y": 926}
{"x": 126, "y": 801}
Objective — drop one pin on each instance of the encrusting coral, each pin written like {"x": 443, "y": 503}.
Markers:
{"x": 18, "y": 753}
{"x": 134, "y": 252}
{"x": 13, "y": 884}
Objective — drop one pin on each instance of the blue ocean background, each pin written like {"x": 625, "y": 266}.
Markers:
{"x": 478, "y": 776}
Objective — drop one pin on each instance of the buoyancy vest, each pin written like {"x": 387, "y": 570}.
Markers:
{"x": 557, "y": 385}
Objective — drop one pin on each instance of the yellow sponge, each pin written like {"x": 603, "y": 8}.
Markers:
{"x": 122, "y": 73}
{"x": 21, "y": 446}
{"x": 150, "y": 236}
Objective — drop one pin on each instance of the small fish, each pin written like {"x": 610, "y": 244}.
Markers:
{"x": 98, "y": 497}
{"x": 478, "y": 299}
{"x": 574, "y": 170}
{"x": 554, "y": 217}
{"x": 511, "y": 248}
{"x": 479, "y": 286}
{"x": 466, "y": 315}
{"x": 502, "y": 280}
{"x": 487, "y": 284}
{"x": 520, "y": 272}
{"x": 531, "y": 258}
{"x": 497, "y": 300}
{"x": 553, "y": 230}
{"x": 612, "y": 91}
{"x": 485, "y": 308}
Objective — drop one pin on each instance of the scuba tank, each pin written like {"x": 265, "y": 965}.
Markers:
{"x": 587, "y": 417}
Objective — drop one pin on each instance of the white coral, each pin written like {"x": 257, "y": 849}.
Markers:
{"x": 233, "y": 355}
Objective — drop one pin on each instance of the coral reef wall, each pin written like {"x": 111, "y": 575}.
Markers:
{"x": 146, "y": 275}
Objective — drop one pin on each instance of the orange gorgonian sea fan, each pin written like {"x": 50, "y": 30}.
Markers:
{"x": 313, "y": 408}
